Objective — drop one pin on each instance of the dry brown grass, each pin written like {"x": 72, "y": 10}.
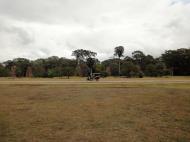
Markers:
{"x": 118, "y": 112}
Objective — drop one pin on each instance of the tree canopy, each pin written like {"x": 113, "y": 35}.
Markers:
{"x": 172, "y": 62}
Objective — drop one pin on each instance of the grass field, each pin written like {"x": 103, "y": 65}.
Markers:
{"x": 111, "y": 110}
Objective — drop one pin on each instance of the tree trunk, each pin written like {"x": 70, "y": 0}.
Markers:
{"x": 119, "y": 68}
{"x": 78, "y": 68}
{"x": 91, "y": 72}
{"x": 78, "y": 62}
{"x": 172, "y": 71}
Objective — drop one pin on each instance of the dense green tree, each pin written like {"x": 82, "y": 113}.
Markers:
{"x": 68, "y": 71}
{"x": 178, "y": 61}
{"x": 81, "y": 54}
{"x": 148, "y": 60}
{"x": 4, "y": 72}
{"x": 160, "y": 69}
{"x": 150, "y": 70}
{"x": 51, "y": 62}
{"x": 139, "y": 58}
{"x": 21, "y": 66}
{"x": 8, "y": 64}
{"x": 110, "y": 66}
{"x": 114, "y": 69}
{"x": 129, "y": 69}
{"x": 39, "y": 68}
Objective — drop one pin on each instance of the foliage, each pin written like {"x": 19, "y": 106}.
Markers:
{"x": 150, "y": 70}
{"x": 111, "y": 66}
{"x": 68, "y": 71}
{"x": 4, "y": 72}
{"x": 82, "y": 54}
{"x": 172, "y": 62}
{"x": 90, "y": 62}
{"x": 118, "y": 51}
{"x": 129, "y": 69}
{"x": 178, "y": 61}
{"x": 21, "y": 66}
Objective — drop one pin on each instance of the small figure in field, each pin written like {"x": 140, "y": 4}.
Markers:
{"x": 97, "y": 78}
{"x": 93, "y": 76}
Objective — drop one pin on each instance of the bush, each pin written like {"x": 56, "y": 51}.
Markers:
{"x": 104, "y": 74}
{"x": 4, "y": 72}
{"x": 129, "y": 69}
{"x": 141, "y": 74}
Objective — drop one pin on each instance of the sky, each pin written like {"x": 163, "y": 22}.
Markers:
{"x": 41, "y": 28}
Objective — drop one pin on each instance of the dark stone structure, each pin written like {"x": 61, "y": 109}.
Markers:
{"x": 13, "y": 71}
{"x": 29, "y": 72}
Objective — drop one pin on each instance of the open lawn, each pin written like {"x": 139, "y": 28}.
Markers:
{"x": 110, "y": 110}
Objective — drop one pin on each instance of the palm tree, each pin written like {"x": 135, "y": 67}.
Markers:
{"x": 118, "y": 51}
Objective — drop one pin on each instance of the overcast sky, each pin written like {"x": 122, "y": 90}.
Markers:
{"x": 41, "y": 28}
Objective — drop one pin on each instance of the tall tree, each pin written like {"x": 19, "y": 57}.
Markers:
{"x": 90, "y": 63}
{"x": 81, "y": 56}
{"x": 139, "y": 58}
{"x": 119, "y": 51}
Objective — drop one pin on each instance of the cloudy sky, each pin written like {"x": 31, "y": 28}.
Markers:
{"x": 41, "y": 28}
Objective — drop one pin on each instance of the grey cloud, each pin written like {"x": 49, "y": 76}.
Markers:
{"x": 179, "y": 1}
{"x": 41, "y": 28}
{"x": 45, "y": 51}
{"x": 70, "y": 45}
{"x": 26, "y": 10}
{"x": 22, "y": 36}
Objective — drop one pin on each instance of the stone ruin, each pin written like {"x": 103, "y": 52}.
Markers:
{"x": 108, "y": 70}
{"x": 29, "y": 72}
{"x": 13, "y": 71}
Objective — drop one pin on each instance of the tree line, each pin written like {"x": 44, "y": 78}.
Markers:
{"x": 172, "y": 62}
